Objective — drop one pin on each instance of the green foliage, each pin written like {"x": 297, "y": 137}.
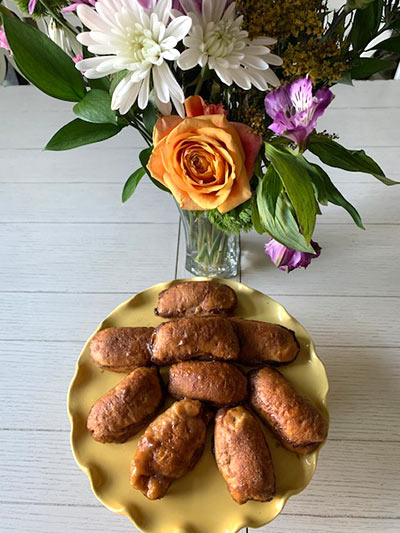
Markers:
{"x": 96, "y": 107}
{"x": 150, "y": 117}
{"x": 235, "y": 221}
{"x": 327, "y": 192}
{"x": 389, "y": 45}
{"x": 357, "y": 4}
{"x": 364, "y": 67}
{"x": 42, "y": 62}
{"x": 131, "y": 183}
{"x": 78, "y": 133}
{"x": 279, "y": 222}
{"x": 333, "y": 154}
{"x": 40, "y": 9}
{"x": 366, "y": 24}
{"x": 298, "y": 186}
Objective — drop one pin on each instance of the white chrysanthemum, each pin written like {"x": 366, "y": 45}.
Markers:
{"x": 126, "y": 36}
{"x": 216, "y": 39}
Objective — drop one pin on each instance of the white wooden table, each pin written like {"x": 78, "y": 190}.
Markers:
{"x": 70, "y": 252}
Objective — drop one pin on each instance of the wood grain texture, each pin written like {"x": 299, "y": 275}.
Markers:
{"x": 60, "y": 202}
{"x": 330, "y": 320}
{"x": 70, "y": 253}
{"x": 345, "y": 249}
{"x": 348, "y": 474}
{"x": 361, "y": 388}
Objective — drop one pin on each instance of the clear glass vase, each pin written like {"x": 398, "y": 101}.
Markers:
{"x": 209, "y": 251}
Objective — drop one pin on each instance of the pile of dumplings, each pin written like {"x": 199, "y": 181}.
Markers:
{"x": 207, "y": 350}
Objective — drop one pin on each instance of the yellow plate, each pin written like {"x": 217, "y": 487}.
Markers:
{"x": 199, "y": 502}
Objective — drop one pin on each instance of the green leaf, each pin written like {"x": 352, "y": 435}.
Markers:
{"x": 255, "y": 218}
{"x": 282, "y": 226}
{"x": 389, "y": 45}
{"x": 150, "y": 117}
{"x": 43, "y": 63}
{"x": 119, "y": 76}
{"x": 366, "y": 66}
{"x": 101, "y": 83}
{"x": 335, "y": 155}
{"x": 365, "y": 25}
{"x": 96, "y": 107}
{"x": 144, "y": 157}
{"x": 298, "y": 186}
{"x": 131, "y": 183}
{"x": 357, "y": 4}
{"x": 329, "y": 193}
{"x": 78, "y": 133}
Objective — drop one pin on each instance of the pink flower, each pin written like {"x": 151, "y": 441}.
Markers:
{"x": 177, "y": 5}
{"x": 78, "y": 57}
{"x": 295, "y": 110}
{"x": 31, "y": 6}
{"x": 76, "y": 3}
{"x": 287, "y": 259}
{"x": 3, "y": 41}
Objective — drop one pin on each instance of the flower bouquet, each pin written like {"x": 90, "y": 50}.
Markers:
{"x": 225, "y": 94}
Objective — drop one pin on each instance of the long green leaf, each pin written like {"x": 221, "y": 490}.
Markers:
{"x": 327, "y": 190}
{"x": 390, "y": 45}
{"x": 366, "y": 24}
{"x": 44, "y": 63}
{"x": 131, "y": 183}
{"x": 298, "y": 186}
{"x": 364, "y": 67}
{"x": 281, "y": 225}
{"x": 335, "y": 155}
{"x": 96, "y": 107}
{"x": 78, "y": 133}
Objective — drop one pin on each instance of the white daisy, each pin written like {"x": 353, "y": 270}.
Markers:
{"x": 216, "y": 39}
{"x": 126, "y": 36}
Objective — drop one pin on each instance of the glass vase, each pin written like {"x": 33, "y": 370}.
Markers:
{"x": 209, "y": 251}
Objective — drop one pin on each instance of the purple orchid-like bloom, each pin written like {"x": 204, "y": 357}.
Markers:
{"x": 287, "y": 259}
{"x": 3, "y": 41}
{"x": 176, "y": 4}
{"x": 31, "y": 6}
{"x": 76, "y": 3}
{"x": 295, "y": 110}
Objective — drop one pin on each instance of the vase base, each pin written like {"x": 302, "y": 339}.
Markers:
{"x": 211, "y": 271}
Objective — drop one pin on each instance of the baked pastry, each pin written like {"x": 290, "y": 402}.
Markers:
{"x": 189, "y": 338}
{"x": 294, "y": 419}
{"x": 262, "y": 342}
{"x": 196, "y": 298}
{"x": 242, "y": 455}
{"x": 213, "y": 381}
{"x": 127, "y": 407}
{"x": 121, "y": 349}
{"x": 169, "y": 448}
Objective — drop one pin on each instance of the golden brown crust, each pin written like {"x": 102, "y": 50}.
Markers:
{"x": 242, "y": 455}
{"x": 214, "y": 382}
{"x": 127, "y": 407}
{"x": 196, "y": 298}
{"x": 294, "y": 419}
{"x": 189, "y": 338}
{"x": 169, "y": 448}
{"x": 121, "y": 349}
{"x": 262, "y": 342}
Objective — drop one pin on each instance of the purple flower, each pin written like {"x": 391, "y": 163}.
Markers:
{"x": 31, "y": 6}
{"x": 286, "y": 258}
{"x": 76, "y": 3}
{"x": 3, "y": 41}
{"x": 295, "y": 110}
{"x": 177, "y": 5}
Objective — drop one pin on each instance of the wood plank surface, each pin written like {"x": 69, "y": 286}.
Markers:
{"x": 70, "y": 252}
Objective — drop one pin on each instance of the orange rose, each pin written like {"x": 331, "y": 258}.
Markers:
{"x": 204, "y": 160}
